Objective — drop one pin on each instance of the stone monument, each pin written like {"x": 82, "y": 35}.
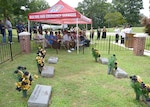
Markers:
{"x": 40, "y": 96}
{"x": 47, "y": 71}
{"x": 52, "y": 60}
{"x": 103, "y": 60}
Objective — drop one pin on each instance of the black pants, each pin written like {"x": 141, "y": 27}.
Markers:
{"x": 122, "y": 40}
{"x": 116, "y": 38}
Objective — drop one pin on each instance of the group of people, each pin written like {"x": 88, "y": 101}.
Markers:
{"x": 57, "y": 38}
{"x": 3, "y": 26}
{"x": 118, "y": 33}
{"x": 122, "y": 33}
{"x": 99, "y": 30}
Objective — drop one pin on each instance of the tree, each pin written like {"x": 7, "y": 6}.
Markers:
{"x": 114, "y": 19}
{"x": 94, "y": 9}
{"x": 130, "y": 9}
{"x": 38, "y": 5}
{"x": 12, "y": 8}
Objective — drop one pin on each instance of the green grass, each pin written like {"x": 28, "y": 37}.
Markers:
{"x": 79, "y": 81}
{"x": 134, "y": 29}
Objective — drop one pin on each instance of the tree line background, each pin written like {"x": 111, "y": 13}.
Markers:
{"x": 102, "y": 13}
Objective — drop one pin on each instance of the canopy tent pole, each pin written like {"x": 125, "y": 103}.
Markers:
{"x": 29, "y": 26}
{"x": 90, "y": 34}
{"x": 77, "y": 36}
{"x": 86, "y": 30}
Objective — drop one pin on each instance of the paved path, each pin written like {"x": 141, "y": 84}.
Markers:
{"x": 146, "y": 52}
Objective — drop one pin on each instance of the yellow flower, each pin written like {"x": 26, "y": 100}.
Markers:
{"x": 36, "y": 76}
{"x": 147, "y": 85}
{"x": 18, "y": 84}
{"x": 139, "y": 79}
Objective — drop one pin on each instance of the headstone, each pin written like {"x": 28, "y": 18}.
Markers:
{"x": 40, "y": 96}
{"x": 47, "y": 71}
{"x": 119, "y": 73}
{"x": 52, "y": 60}
{"x": 103, "y": 60}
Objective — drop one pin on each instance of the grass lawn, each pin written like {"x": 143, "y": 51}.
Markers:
{"x": 78, "y": 81}
{"x": 134, "y": 29}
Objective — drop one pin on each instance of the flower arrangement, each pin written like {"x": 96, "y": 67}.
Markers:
{"x": 95, "y": 54}
{"x": 146, "y": 22}
{"x": 140, "y": 88}
{"x": 24, "y": 80}
{"x": 112, "y": 64}
{"x": 40, "y": 58}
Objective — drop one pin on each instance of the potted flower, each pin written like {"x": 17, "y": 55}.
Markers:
{"x": 24, "y": 81}
{"x": 40, "y": 59}
{"x": 141, "y": 89}
{"x": 95, "y": 54}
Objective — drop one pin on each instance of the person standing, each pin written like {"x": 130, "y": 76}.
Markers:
{"x": 2, "y": 31}
{"x": 117, "y": 31}
{"x": 91, "y": 34}
{"x": 98, "y": 33}
{"x": 104, "y": 33}
{"x": 123, "y": 34}
{"x": 19, "y": 28}
{"x": 40, "y": 29}
{"x": 9, "y": 28}
{"x": 34, "y": 28}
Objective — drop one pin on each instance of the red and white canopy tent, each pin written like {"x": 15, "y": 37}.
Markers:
{"x": 60, "y": 13}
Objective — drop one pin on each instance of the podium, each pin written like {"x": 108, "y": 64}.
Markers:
{"x": 129, "y": 40}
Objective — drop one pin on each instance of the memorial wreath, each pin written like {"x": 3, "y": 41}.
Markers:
{"x": 40, "y": 59}
{"x": 141, "y": 89}
{"x": 24, "y": 80}
{"x": 95, "y": 54}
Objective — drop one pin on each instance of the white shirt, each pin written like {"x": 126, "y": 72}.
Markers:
{"x": 123, "y": 33}
{"x": 9, "y": 25}
{"x": 40, "y": 36}
{"x": 66, "y": 38}
{"x": 117, "y": 30}
{"x": 128, "y": 30}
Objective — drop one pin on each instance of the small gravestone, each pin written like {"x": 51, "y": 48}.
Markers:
{"x": 103, "y": 60}
{"x": 119, "y": 73}
{"x": 40, "y": 96}
{"x": 47, "y": 71}
{"x": 52, "y": 60}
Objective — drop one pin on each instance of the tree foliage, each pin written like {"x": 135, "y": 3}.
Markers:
{"x": 130, "y": 9}
{"x": 12, "y": 8}
{"x": 114, "y": 19}
{"x": 94, "y": 9}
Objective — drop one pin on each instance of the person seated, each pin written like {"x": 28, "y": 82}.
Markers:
{"x": 59, "y": 36}
{"x": 52, "y": 40}
{"x": 67, "y": 41}
{"x": 51, "y": 37}
{"x": 56, "y": 41}
{"x": 83, "y": 39}
{"x": 47, "y": 38}
{"x": 40, "y": 39}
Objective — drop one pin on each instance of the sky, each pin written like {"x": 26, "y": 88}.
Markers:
{"x": 74, "y": 3}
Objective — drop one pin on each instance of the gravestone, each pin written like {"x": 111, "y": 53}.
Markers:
{"x": 52, "y": 60}
{"x": 103, "y": 60}
{"x": 40, "y": 96}
{"x": 47, "y": 71}
{"x": 119, "y": 73}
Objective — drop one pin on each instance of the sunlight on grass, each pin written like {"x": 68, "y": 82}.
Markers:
{"x": 78, "y": 81}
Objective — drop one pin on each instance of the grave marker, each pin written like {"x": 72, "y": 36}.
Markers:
{"x": 47, "y": 71}
{"x": 40, "y": 96}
